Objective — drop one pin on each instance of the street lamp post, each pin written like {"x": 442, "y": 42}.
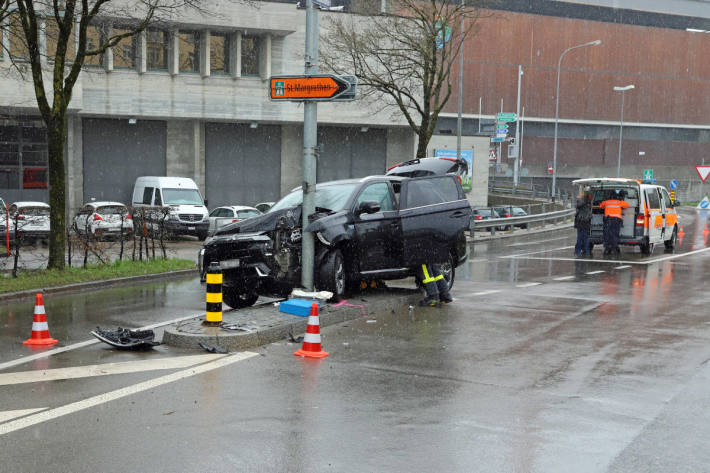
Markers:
{"x": 557, "y": 109}
{"x": 621, "y": 123}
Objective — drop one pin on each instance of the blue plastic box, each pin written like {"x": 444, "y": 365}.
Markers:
{"x": 300, "y": 307}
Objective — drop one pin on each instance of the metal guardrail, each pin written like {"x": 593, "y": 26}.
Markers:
{"x": 533, "y": 192}
{"x": 492, "y": 224}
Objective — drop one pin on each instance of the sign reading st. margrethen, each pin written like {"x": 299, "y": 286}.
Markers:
{"x": 320, "y": 87}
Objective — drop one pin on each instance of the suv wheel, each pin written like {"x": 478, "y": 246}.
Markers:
{"x": 448, "y": 270}
{"x": 238, "y": 298}
{"x": 332, "y": 275}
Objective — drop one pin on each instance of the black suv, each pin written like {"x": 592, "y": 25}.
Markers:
{"x": 379, "y": 227}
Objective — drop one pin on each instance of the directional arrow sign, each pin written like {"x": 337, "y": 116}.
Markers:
{"x": 320, "y": 87}
{"x": 703, "y": 171}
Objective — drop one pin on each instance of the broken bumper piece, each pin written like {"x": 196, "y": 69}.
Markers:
{"x": 126, "y": 339}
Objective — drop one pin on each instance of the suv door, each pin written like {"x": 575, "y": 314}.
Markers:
{"x": 434, "y": 215}
{"x": 378, "y": 234}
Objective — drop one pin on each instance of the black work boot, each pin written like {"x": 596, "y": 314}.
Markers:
{"x": 445, "y": 297}
{"x": 429, "y": 302}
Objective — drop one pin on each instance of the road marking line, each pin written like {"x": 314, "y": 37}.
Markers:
{"x": 623, "y": 266}
{"x": 539, "y": 241}
{"x": 105, "y": 369}
{"x": 67, "y": 409}
{"x": 483, "y": 293}
{"x": 9, "y": 415}
{"x": 595, "y": 272}
{"x": 56, "y": 351}
{"x": 564, "y": 278}
{"x": 528, "y": 284}
{"x": 538, "y": 251}
{"x": 645, "y": 263}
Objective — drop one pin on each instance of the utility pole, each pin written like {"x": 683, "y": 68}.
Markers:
{"x": 310, "y": 141}
{"x": 516, "y": 166}
{"x": 460, "y": 94}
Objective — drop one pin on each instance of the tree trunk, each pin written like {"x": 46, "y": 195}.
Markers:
{"x": 422, "y": 144}
{"x": 57, "y": 135}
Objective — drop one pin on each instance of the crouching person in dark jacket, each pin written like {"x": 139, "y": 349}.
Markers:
{"x": 583, "y": 224}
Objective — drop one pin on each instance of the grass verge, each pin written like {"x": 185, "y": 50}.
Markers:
{"x": 47, "y": 278}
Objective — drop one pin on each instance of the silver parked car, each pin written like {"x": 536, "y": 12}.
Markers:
{"x": 222, "y": 216}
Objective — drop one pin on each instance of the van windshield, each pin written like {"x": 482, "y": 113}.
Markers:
{"x": 181, "y": 197}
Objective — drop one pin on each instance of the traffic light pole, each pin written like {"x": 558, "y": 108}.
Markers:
{"x": 310, "y": 141}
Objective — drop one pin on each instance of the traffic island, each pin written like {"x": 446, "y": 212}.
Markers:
{"x": 263, "y": 324}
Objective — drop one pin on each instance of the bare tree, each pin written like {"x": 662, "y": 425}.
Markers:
{"x": 402, "y": 58}
{"x": 73, "y": 23}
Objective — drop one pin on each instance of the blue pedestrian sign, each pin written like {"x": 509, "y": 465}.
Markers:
{"x": 673, "y": 184}
{"x": 704, "y": 204}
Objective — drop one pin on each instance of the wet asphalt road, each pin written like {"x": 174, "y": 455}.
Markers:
{"x": 544, "y": 363}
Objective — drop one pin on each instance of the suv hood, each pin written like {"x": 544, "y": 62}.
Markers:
{"x": 263, "y": 223}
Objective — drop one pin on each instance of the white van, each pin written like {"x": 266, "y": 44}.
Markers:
{"x": 188, "y": 214}
{"x": 650, "y": 219}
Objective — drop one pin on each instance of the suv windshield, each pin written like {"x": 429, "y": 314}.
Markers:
{"x": 181, "y": 197}
{"x": 333, "y": 197}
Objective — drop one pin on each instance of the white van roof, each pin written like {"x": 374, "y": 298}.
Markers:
{"x": 607, "y": 180}
{"x": 167, "y": 181}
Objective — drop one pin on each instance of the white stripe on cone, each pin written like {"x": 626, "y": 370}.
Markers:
{"x": 313, "y": 320}
{"x": 39, "y": 326}
{"x": 311, "y": 337}
{"x": 39, "y": 309}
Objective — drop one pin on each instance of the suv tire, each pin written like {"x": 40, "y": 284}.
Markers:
{"x": 238, "y": 298}
{"x": 448, "y": 269}
{"x": 333, "y": 277}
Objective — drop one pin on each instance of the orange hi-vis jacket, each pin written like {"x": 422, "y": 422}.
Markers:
{"x": 612, "y": 208}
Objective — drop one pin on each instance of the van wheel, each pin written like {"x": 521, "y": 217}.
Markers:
{"x": 670, "y": 244}
{"x": 647, "y": 248}
{"x": 238, "y": 298}
{"x": 333, "y": 276}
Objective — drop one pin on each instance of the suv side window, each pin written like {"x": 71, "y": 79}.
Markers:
{"x": 431, "y": 191}
{"x": 379, "y": 192}
{"x": 147, "y": 195}
{"x": 86, "y": 210}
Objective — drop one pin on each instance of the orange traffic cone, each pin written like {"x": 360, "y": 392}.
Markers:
{"x": 681, "y": 233}
{"x": 705, "y": 230}
{"x": 40, "y": 329}
{"x": 311, "y": 341}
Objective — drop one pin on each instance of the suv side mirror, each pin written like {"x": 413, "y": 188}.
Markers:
{"x": 368, "y": 207}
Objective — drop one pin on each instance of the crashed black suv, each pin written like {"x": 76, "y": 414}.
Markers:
{"x": 380, "y": 227}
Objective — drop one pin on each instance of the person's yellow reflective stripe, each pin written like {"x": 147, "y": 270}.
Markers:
{"x": 441, "y": 276}
{"x": 427, "y": 278}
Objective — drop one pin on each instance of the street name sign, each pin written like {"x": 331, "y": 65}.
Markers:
{"x": 506, "y": 117}
{"x": 703, "y": 171}
{"x": 317, "y": 87}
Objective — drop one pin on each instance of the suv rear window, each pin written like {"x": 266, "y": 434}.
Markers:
{"x": 112, "y": 210}
{"x": 431, "y": 191}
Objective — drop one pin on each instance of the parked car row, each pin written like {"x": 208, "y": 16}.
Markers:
{"x": 487, "y": 213}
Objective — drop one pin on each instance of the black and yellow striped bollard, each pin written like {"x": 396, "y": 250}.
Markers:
{"x": 213, "y": 297}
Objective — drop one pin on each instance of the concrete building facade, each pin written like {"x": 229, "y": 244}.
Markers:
{"x": 191, "y": 99}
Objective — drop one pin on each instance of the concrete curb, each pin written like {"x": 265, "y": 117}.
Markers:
{"x": 102, "y": 284}
{"x": 273, "y": 326}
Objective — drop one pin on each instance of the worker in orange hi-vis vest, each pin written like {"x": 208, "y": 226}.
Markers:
{"x": 612, "y": 221}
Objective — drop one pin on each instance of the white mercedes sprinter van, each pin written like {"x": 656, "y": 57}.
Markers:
{"x": 188, "y": 214}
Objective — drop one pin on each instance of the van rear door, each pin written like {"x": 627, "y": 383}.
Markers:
{"x": 655, "y": 215}
{"x": 434, "y": 214}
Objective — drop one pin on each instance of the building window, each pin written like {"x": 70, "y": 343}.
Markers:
{"x": 18, "y": 44}
{"x": 156, "y": 50}
{"x": 250, "y": 55}
{"x": 95, "y": 37}
{"x": 23, "y": 155}
{"x": 219, "y": 53}
{"x": 52, "y": 36}
{"x": 189, "y": 44}
{"x": 124, "y": 53}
